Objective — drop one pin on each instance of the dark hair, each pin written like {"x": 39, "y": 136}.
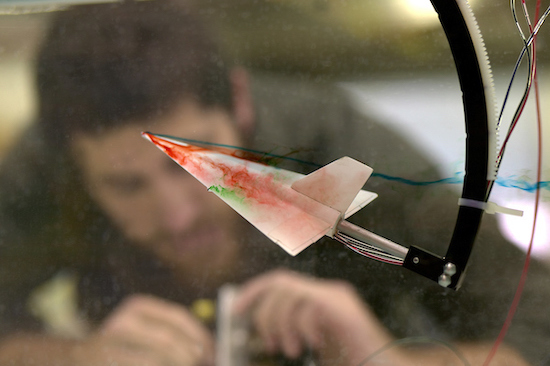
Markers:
{"x": 105, "y": 65}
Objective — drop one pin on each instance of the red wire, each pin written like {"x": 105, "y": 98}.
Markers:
{"x": 523, "y": 278}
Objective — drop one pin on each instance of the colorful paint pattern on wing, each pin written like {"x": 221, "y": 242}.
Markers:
{"x": 233, "y": 179}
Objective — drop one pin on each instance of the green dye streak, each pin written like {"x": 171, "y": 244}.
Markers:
{"x": 229, "y": 194}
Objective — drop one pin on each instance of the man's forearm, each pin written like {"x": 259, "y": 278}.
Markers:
{"x": 35, "y": 349}
{"x": 474, "y": 354}
{"x": 424, "y": 354}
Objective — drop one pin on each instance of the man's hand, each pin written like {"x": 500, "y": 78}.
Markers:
{"x": 292, "y": 312}
{"x": 150, "y": 332}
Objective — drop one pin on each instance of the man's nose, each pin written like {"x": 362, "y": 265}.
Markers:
{"x": 180, "y": 203}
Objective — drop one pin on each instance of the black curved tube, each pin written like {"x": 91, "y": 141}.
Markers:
{"x": 477, "y": 152}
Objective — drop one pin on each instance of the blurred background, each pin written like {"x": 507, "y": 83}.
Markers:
{"x": 390, "y": 56}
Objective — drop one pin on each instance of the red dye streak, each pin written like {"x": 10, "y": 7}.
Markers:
{"x": 260, "y": 188}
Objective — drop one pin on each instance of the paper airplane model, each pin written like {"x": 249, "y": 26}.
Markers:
{"x": 292, "y": 209}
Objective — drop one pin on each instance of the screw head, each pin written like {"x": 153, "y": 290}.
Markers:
{"x": 444, "y": 280}
{"x": 449, "y": 268}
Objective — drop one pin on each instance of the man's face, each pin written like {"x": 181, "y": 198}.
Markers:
{"x": 153, "y": 201}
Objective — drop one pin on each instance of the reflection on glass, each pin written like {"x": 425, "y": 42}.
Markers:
{"x": 110, "y": 252}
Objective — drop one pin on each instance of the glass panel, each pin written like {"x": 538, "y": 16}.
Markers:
{"x": 110, "y": 252}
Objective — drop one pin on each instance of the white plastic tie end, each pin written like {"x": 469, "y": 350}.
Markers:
{"x": 489, "y": 207}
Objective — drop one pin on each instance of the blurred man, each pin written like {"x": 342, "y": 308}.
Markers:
{"x": 84, "y": 193}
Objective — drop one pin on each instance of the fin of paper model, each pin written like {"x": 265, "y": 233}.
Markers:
{"x": 292, "y": 209}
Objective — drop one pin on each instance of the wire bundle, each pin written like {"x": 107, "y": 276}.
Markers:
{"x": 367, "y": 250}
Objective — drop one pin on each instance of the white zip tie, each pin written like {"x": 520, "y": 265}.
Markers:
{"x": 489, "y": 207}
